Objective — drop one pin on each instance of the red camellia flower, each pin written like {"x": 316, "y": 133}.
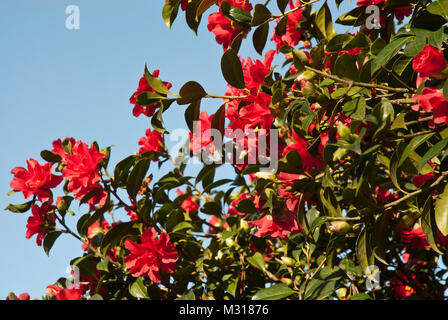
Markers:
{"x": 429, "y": 61}
{"x": 59, "y": 149}
{"x": 432, "y": 100}
{"x": 202, "y": 136}
{"x": 152, "y": 141}
{"x": 293, "y": 34}
{"x": 255, "y": 71}
{"x": 151, "y": 255}
{"x": 188, "y": 204}
{"x": 366, "y": 3}
{"x": 415, "y": 237}
{"x": 40, "y": 222}
{"x": 143, "y": 86}
{"x": 82, "y": 166}
{"x": 301, "y": 145}
{"x": 223, "y": 29}
{"x": 37, "y": 180}
{"x": 278, "y": 226}
{"x": 400, "y": 285}
{"x": 65, "y": 293}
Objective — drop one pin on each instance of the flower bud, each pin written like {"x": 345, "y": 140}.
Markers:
{"x": 288, "y": 261}
{"x": 230, "y": 242}
{"x": 287, "y": 281}
{"x": 342, "y": 293}
{"x": 340, "y": 227}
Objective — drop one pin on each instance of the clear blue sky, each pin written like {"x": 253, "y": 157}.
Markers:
{"x": 58, "y": 83}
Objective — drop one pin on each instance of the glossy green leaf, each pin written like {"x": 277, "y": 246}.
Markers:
{"x": 155, "y": 83}
{"x": 232, "y": 70}
{"x": 387, "y": 53}
{"x": 259, "y": 37}
{"x": 257, "y": 260}
{"x": 138, "y": 289}
{"x": 50, "y": 156}
{"x": 441, "y": 210}
{"x": 191, "y": 92}
{"x": 276, "y": 292}
{"x": 137, "y": 176}
{"x": 49, "y": 241}
{"x": 261, "y": 15}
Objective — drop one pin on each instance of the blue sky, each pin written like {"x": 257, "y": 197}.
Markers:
{"x": 58, "y": 83}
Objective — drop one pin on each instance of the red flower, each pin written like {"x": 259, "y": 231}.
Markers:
{"x": 37, "y": 180}
{"x": 65, "y": 293}
{"x": 152, "y": 141}
{"x": 293, "y": 34}
{"x": 40, "y": 222}
{"x": 223, "y": 29}
{"x": 415, "y": 237}
{"x": 59, "y": 149}
{"x": 385, "y": 195}
{"x": 255, "y": 112}
{"x": 400, "y": 285}
{"x": 429, "y": 61}
{"x": 151, "y": 256}
{"x": 421, "y": 179}
{"x": 278, "y": 226}
{"x": 288, "y": 180}
{"x": 188, "y": 204}
{"x": 202, "y": 136}
{"x": 143, "y": 86}
{"x": 82, "y": 166}
{"x": 308, "y": 161}
{"x": 255, "y": 72}
{"x": 433, "y": 100}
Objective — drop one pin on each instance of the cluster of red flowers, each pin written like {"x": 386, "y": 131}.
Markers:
{"x": 224, "y": 29}
{"x": 430, "y": 62}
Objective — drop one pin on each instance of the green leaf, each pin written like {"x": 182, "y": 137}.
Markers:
{"x": 439, "y": 7}
{"x": 246, "y": 206}
{"x": 232, "y": 70}
{"x": 345, "y": 67}
{"x": 261, "y": 15}
{"x": 361, "y": 296}
{"x": 240, "y": 15}
{"x": 155, "y": 83}
{"x": 429, "y": 226}
{"x": 364, "y": 250}
{"x": 281, "y": 4}
{"x": 320, "y": 289}
{"x": 257, "y": 260}
{"x": 103, "y": 265}
{"x": 324, "y": 22}
{"x": 338, "y": 42}
{"x": 182, "y": 225}
{"x": 276, "y": 292}
{"x": 387, "y": 53}
{"x": 204, "y": 5}
{"x": 50, "y": 156}
{"x": 20, "y": 208}
{"x": 147, "y": 98}
{"x": 193, "y": 21}
{"x": 300, "y": 60}
{"x": 411, "y": 146}
{"x": 441, "y": 210}
{"x": 191, "y": 92}
{"x": 114, "y": 236}
{"x": 218, "y": 122}
{"x": 121, "y": 171}
{"x": 192, "y": 114}
{"x": 49, "y": 241}
{"x": 189, "y": 296}
{"x": 431, "y": 153}
{"x": 169, "y": 12}
{"x": 138, "y": 289}
{"x": 136, "y": 176}
{"x": 260, "y": 37}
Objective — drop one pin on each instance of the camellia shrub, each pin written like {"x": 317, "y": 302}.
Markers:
{"x": 339, "y": 156}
